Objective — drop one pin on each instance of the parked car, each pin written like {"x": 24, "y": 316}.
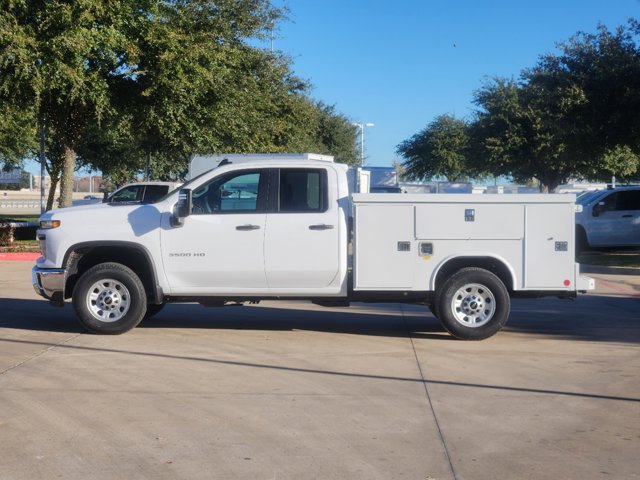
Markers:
{"x": 87, "y": 200}
{"x": 608, "y": 218}
{"x": 141, "y": 192}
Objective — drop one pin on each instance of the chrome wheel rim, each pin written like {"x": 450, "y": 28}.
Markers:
{"x": 108, "y": 300}
{"x": 473, "y": 305}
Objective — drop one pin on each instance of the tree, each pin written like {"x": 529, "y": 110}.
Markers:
{"x": 518, "y": 132}
{"x": 574, "y": 115}
{"x": 443, "y": 148}
{"x": 335, "y": 135}
{"x": 121, "y": 83}
{"x": 78, "y": 62}
{"x": 18, "y": 138}
{"x": 193, "y": 92}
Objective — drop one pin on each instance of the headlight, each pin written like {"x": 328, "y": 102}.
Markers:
{"x": 48, "y": 224}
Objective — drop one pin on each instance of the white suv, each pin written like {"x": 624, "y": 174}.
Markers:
{"x": 609, "y": 218}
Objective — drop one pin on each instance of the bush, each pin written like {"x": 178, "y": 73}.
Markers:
{"x": 10, "y": 232}
{"x": 6, "y": 234}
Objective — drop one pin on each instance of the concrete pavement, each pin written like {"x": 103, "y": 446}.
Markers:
{"x": 289, "y": 390}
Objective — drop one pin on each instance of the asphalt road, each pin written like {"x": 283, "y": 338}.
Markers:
{"x": 292, "y": 391}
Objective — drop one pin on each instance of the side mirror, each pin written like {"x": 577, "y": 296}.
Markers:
{"x": 183, "y": 208}
{"x": 597, "y": 209}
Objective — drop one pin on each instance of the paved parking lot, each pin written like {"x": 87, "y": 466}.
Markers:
{"x": 292, "y": 391}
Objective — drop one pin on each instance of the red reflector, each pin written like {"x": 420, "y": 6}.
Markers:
{"x": 567, "y": 283}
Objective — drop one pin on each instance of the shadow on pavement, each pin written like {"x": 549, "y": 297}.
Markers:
{"x": 37, "y": 315}
{"x": 388, "y": 323}
{"x": 589, "y": 318}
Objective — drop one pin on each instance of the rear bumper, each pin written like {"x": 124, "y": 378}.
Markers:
{"x": 49, "y": 283}
{"x": 584, "y": 283}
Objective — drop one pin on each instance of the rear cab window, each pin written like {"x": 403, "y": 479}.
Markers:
{"x": 302, "y": 190}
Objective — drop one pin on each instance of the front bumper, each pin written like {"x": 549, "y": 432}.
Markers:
{"x": 49, "y": 283}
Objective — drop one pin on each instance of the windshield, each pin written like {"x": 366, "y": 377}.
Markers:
{"x": 587, "y": 197}
{"x": 184, "y": 185}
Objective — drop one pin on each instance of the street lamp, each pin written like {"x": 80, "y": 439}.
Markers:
{"x": 362, "y": 126}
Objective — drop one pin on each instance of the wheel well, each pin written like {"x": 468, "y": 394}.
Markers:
{"x": 81, "y": 259}
{"x": 580, "y": 230}
{"x": 493, "y": 265}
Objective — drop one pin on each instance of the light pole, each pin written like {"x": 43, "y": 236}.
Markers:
{"x": 362, "y": 126}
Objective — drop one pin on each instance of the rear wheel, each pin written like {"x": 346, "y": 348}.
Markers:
{"x": 109, "y": 299}
{"x": 473, "y": 304}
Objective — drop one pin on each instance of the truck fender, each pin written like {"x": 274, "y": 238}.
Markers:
{"x": 489, "y": 261}
{"x": 76, "y": 252}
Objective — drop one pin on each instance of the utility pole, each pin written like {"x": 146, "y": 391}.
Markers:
{"x": 362, "y": 126}
{"x": 43, "y": 205}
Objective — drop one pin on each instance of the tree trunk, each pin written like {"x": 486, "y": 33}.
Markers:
{"x": 66, "y": 181}
{"x": 52, "y": 190}
{"x": 550, "y": 182}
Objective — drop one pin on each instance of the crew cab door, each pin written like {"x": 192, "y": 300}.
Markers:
{"x": 302, "y": 234}
{"x": 219, "y": 248}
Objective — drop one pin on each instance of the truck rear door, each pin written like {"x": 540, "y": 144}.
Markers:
{"x": 302, "y": 233}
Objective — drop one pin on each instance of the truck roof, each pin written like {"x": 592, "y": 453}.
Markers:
{"x": 201, "y": 163}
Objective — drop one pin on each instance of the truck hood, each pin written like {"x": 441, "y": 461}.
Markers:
{"x": 119, "y": 208}
{"x": 109, "y": 220}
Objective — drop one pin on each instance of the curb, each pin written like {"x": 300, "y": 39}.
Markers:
{"x": 20, "y": 256}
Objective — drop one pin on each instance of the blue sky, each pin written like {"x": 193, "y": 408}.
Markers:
{"x": 399, "y": 64}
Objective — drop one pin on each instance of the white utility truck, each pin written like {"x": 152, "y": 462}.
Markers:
{"x": 283, "y": 227}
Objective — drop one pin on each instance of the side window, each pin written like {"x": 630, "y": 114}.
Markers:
{"x": 629, "y": 200}
{"x": 237, "y": 192}
{"x": 610, "y": 202}
{"x": 129, "y": 194}
{"x": 303, "y": 190}
{"x": 154, "y": 192}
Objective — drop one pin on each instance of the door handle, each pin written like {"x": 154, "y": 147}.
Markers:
{"x": 246, "y": 228}
{"x": 627, "y": 216}
{"x": 322, "y": 226}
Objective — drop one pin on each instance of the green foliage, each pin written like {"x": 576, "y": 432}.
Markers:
{"x": 443, "y": 148}
{"x": 518, "y": 133}
{"x": 573, "y": 115}
{"x": 122, "y": 81}
{"x": 18, "y": 137}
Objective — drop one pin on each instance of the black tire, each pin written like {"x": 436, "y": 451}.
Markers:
{"x": 153, "y": 309}
{"x": 582, "y": 244}
{"x": 473, "y": 304}
{"x": 109, "y": 299}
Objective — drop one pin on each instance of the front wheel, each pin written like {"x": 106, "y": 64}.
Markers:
{"x": 473, "y": 304}
{"x": 109, "y": 299}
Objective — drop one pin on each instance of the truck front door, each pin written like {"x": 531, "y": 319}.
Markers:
{"x": 220, "y": 247}
{"x": 302, "y": 234}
